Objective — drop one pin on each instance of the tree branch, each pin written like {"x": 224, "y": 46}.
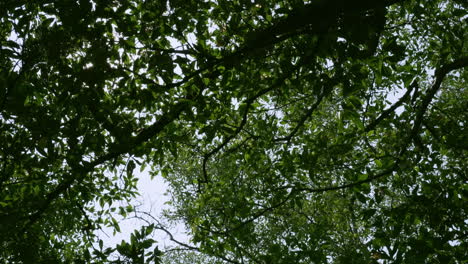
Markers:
{"x": 159, "y": 226}
{"x": 439, "y": 75}
{"x": 386, "y": 113}
{"x": 304, "y": 118}
{"x": 248, "y": 102}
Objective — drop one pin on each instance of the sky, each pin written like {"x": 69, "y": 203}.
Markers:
{"x": 152, "y": 199}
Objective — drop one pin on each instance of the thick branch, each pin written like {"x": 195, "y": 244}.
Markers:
{"x": 318, "y": 16}
{"x": 439, "y": 77}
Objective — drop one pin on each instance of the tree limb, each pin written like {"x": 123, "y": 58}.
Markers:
{"x": 439, "y": 75}
{"x": 386, "y": 113}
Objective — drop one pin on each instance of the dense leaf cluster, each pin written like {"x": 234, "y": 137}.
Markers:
{"x": 322, "y": 131}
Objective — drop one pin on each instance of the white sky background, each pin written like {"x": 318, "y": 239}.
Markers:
{"x": 152, "y": 199}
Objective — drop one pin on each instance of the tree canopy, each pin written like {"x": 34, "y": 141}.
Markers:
{"x": 291, "y": 131}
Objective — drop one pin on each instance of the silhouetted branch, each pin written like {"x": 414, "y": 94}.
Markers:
{"x": 386, "y": 113}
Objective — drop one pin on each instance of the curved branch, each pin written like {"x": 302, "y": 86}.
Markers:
{"x": 304, "y": 118}
{"x": 386, "y": 113}
{"x": 239, "y": 128}
{"x": 255, "y": 216}
{"x": 159, "y": 226}
{"x": 439, "y": 75}
{"x": 353, "y": 184}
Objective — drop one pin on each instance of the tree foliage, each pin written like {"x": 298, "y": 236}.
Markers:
{"x": 289, "y": 131}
